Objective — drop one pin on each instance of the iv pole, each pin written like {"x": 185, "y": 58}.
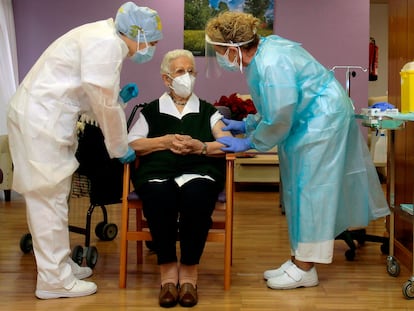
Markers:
{"x": 348, "y": 75}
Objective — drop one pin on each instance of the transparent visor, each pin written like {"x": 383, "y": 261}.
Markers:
{"x": 213, "y": 69}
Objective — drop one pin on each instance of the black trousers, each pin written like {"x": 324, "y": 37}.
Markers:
{"x": 169, "y": 209}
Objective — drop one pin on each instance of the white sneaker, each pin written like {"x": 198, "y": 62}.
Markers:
{"x": 79, "y": 288}
{"x": 268, "y": 274}
{"x": 293, "y": 277}
{"x": 78, "y": 271}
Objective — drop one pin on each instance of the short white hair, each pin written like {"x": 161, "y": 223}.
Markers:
{"x": 171, "y": 55}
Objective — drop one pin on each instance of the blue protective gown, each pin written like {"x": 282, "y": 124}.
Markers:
{"x": 329, "y": 180}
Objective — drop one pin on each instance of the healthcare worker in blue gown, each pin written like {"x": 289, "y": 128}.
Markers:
{"x": 78, "y": 74}
{"x": 329, "y": 180}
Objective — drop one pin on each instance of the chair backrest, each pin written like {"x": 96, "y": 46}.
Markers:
{"x": 221, "y": 231}
{"x": 6, "y": 164}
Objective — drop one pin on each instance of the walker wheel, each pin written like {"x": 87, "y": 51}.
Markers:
{"x": 99, "y": 230}
{"x": 91, "y": 256}
{"x": 77, "y": 254}
{"x": 26, "y": 243}
{"x": 109, "y": 232}
{"x": 105, "y": 231}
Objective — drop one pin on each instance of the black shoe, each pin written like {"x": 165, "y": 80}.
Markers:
{"x": 168, "y": 295}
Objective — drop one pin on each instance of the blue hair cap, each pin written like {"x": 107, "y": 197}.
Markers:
{"x": 134, "y": 21}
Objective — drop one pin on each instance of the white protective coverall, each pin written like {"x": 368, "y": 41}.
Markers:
{"x": 329, "y": 180}
{"x": 77, "y": 74}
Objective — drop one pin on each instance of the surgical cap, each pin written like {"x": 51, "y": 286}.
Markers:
{"x": 133, "y": 20}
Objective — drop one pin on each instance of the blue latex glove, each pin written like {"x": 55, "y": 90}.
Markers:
{"x": 235, "y": 144}
{"x": 129, "y": 156}
{"x": 128, "y": 92}
{"x": 235, "y": 127}
{"x": 383, "y": 106}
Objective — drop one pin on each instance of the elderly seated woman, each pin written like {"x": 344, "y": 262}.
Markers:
{"x": 181, "y": 172}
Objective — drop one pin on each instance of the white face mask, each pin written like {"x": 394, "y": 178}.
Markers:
{"x": 183, "y": 85}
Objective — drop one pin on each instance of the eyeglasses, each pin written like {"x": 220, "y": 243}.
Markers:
{"x": 181, "y": 71}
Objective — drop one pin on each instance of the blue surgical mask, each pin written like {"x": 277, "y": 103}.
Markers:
{"x": 143, "y": 56}
{"x": 225, "y": 63}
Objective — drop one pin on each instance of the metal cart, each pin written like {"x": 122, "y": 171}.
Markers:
{"x": 360, "y": 235}
{"x": 393, "y": 122}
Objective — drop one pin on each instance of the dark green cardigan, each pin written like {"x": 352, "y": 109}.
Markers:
{"x": 166, "y": 164}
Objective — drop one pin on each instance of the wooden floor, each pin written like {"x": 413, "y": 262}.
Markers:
{"x": 260, "y": 242}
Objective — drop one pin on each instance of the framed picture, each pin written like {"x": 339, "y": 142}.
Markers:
{"x": 198, "y": 12}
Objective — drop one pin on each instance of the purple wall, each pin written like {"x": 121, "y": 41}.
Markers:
{"x": 336, "y": 32}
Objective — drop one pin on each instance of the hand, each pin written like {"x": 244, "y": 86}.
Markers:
{"x": 235, "y": 144}
{"x": 235, "y": 127}
{"x": 128, "y": 92}
{"x": 182, "y": 144}
{"x": 129, "y": 156}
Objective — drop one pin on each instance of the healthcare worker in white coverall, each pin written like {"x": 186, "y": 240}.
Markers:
{"x": 329, "y": 180}
{"x": 77, "y": 74}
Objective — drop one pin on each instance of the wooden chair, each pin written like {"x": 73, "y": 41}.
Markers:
{"x": 6, "y": 167}
{"x": 221, "y": 231}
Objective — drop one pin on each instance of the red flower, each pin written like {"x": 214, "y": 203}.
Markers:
{"x": 239, "y": 107}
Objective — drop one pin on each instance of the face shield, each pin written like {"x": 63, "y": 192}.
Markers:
{"x": 214, "y": 63}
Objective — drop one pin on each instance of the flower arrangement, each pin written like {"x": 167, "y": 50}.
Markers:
{"x": 238, "y": 106}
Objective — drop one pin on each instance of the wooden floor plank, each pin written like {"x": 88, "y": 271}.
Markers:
{"x": 260, "y": 243}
